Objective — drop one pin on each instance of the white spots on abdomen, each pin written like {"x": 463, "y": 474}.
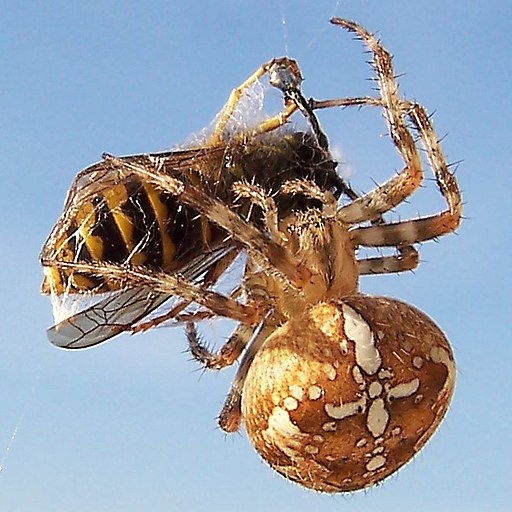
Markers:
{"x": 404, "y": 389}
{"x": 375, "y": 389}
{"x": 338, "y": 412}
{"x": 358, "y": 331}
{"x": 376, "y": 462}
{"x": 314, "y": 392}
{"x": 378, "y": 418}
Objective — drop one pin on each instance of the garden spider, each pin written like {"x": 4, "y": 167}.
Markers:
{"x": 337, "y": 390}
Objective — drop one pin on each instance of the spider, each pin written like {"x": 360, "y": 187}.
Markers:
{"x": 336, "y": 389}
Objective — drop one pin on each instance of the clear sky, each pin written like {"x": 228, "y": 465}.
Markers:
{"x": 130, "y": 425}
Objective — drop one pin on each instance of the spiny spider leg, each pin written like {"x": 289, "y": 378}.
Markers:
{"x": 194, "y": 316}
{"x": 394, "y": 191}
{"x": 398, "y": 188}
{"x": 311, "y": 190}
{"x": 172, "y": 284}
{"x": 210, "y": 279}
{"x": 448, "y": 220}
{"x": 160, "y": 319}
{"x": 415, "y": 230}
{"x": 231, "y": 414}
{"x": 423, "y": 228}
{"x": 407, "y": 258}
{"x": 228, "y": 353}
{"x": 236, "y": 342}
{"x": 258, "y": 197}
{"x": 269, "y": 254}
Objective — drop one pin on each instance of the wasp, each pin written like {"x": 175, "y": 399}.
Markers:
{"x": 114, "y": 215}
{"x": 336, "y": 389}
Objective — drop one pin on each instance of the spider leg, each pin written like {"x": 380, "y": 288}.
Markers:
{"x": 382, "y": 199}
{"x": 423, "y": 228}
{"x": 401, "y": 186}
{"x": 362, "y": 101}
{"x": 232, "y": 349}
{"x": 228, "y": 353}
{"x": 210, "y": 279}
{"x": 406, "y": 259}
{"x": 372, "y": 205}
{"x": 230, "y": 416}
{"x": 390, "y": 101}
{"x": 258, "y": 197}
{"x": 160, "y": 319}
{"x": 269, "y": 254}
{"x": 448, "y": 220}
{"x": 171, "y": 284}
{"x": 194, "y": 316}
{"x": 391, "y": 193}
{"x": 311, "y": 190}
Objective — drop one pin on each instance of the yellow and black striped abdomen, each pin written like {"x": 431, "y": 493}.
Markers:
{"x": 130, "y": 223}
{"x": 119, "y": 218}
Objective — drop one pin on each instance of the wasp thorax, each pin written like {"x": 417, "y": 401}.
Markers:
{"x": 344, "y": 396}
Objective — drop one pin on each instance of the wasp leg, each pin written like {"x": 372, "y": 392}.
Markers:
{"x": 276, "y": 68}
{"x": 285, "y": 75}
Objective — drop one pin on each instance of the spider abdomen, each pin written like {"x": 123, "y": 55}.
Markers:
{"x": 343, "y": 397}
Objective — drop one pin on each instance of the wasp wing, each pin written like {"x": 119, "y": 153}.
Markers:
{"x": 120, "y": 310}
{"x": 106, "y": 319}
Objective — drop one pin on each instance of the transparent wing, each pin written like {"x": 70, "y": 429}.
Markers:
{"x": 109, "y": 317}
{"x": 118, "y": 311}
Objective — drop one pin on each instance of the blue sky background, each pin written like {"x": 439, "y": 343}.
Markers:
{"x": 131, "y": 425}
